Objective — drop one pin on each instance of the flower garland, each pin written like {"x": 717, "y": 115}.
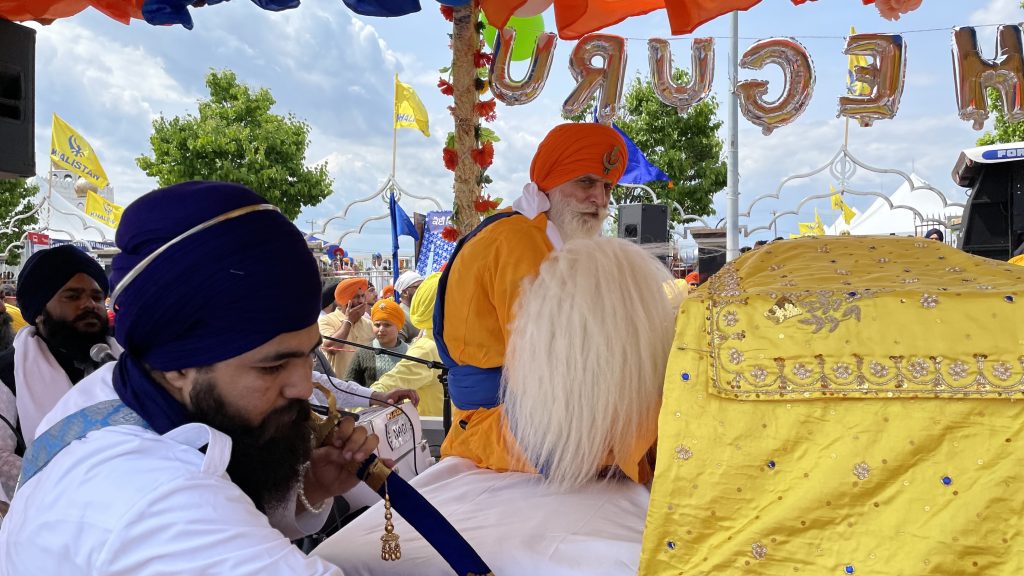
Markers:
{"x": 483, "y": 154}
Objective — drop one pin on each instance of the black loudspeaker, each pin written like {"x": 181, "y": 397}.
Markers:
{"x": 17, "y": 100}
{"x": 709, "y": 261}
{"x": 993, "y": 220}
{"x": 643, "y": 223}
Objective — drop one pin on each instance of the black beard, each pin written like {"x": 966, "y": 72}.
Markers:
{"x": 265, "y": 459}
{"x": 63, "y": 334}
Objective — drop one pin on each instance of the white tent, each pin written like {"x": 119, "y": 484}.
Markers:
{"x": 879, "y": 218}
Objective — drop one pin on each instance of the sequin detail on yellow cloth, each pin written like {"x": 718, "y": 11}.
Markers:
{"x": 844, "y": 480}
{"x": 790, "y": 307}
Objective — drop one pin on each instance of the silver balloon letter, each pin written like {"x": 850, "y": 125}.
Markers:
{"x": 883, "y": 77}
{"x": 682, "y": 96}
{"x": 510, "y": 91}
{"x": 609, "y": 78}
{"x": 975, "y": 75}
{"x": 798, "y": 76}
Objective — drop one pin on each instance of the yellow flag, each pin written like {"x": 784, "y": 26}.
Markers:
{"x": 838, "y": 204}
{"x": 819, "y": 228}
{"x": 853, "y": 87}
{"x": 101, "y": 209}
{"x": 409, "y": 110}
{"x": 70, "y": 151}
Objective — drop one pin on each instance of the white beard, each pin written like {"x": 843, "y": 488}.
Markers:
{"x": 576, "y": 219}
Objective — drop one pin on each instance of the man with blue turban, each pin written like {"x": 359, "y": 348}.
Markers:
{"x": 191, "y": 454}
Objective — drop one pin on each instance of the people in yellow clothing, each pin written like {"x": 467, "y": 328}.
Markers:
{"x": 813, "y": 423}
{"x": 572, "y": 174}
{"x": 347, "y": 322}
{"x": 10, "y": 295}
{"x": 412, "y": 375}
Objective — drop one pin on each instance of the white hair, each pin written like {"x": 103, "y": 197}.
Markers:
{"x": 586, "y": 357}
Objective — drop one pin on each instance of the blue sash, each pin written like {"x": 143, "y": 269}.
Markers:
{"x": 71, "y": 428}
{"x": 470, "y": 387}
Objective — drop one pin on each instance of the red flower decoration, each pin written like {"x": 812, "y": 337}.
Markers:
{"x": 451, "y": 158}
{"x": 482, "y": 59}
{"x": 446, "y": 87}
{"x": 450, "y": 234}
{"x": 484, "y": 204}
{"x": 448, "y": 12}
{"x": 483, "y": 156}
{"x": 486, "y": 109}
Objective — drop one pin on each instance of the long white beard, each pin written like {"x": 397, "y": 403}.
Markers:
{"x": 586, "y": 358}
{"x": 576, "y": 219}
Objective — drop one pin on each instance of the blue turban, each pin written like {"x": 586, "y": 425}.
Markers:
{"x": 47, "y": 271}
{"x": 217, "y": 293}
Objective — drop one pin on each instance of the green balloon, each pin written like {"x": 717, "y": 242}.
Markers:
{"x": 527, "y": 32}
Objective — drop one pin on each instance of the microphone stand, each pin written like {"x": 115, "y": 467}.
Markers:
{"x": 446, "y": 418}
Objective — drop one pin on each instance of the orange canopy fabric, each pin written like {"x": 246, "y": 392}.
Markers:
{"x": 47, "y": 11}
{"x": 576, "y": 18}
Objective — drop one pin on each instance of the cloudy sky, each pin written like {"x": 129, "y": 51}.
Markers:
{"x": 334, "y": 70}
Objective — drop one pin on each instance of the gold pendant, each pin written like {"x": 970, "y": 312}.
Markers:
{"x": 390, "y": 549}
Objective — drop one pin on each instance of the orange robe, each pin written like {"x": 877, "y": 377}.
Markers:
{"x": 483, "y": 285}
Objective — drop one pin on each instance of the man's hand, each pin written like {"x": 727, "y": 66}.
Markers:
{"x": 354, "y": 313}
{"x": 395, "y": 397}
{"x": 329, "y": 474}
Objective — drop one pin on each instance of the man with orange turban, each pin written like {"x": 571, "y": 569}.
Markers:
{"x": 347, "y": 322}
{"x": 572, "y": 175}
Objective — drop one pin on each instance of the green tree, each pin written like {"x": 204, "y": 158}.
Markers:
{"x": 236, "y": 138}
{"x": 686, "y": 147}
{"x": 16, "y": 199}
{"x": 1004, "y": 130}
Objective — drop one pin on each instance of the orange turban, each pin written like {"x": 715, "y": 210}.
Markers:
{"x": 573, "y": 150}
{"x": 387, "y": 292}
{"x": 348, "y": 289}
{"x": 388, "y": 310}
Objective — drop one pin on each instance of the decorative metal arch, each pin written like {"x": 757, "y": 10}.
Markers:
{"x": 390, "y": 185}
{"x": 843, "y": 167}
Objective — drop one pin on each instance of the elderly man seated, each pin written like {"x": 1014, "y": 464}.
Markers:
{"x": 580, "y": 409}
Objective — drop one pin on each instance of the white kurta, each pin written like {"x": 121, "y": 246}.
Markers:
{"x": 518, "y": 525}
{"x": 127, "y": 501}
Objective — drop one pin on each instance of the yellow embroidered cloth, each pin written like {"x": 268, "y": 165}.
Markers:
{"x": 844, "y": 405}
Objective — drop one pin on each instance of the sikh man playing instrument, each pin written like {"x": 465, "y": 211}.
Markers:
{"x": 572, "y": 174}
{"x": 191, "y": 454}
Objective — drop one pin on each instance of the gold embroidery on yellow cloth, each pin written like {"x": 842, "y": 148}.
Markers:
{"x": 821, "y": 303}
{"x": 895, "y": 449}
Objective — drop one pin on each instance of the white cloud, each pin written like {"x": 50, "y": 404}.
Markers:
{"x": 997, "y": 12}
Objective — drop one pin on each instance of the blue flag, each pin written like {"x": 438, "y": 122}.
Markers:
{"x": 638, "y": 169}
{"x": 383, "y": 8}
{"x": 401, "y": 225}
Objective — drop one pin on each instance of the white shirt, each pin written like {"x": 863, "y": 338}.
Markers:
{"x": 127, "y": 501}
{"x": 517, "y": 524}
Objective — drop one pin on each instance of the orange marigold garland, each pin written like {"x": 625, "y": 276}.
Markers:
{"x": 451, "y": 158}
{"x": 446, "y": 87}
{"x": 483, "y": 156}
{"x": 448, "y": 12}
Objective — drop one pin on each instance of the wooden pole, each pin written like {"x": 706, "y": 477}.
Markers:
{"x": 465, "y": 44}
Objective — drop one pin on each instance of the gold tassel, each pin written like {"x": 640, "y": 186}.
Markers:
{"x": 390, "y": 549}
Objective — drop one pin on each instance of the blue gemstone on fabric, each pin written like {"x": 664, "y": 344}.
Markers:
{"x": 947, "y": 480}
{"x": 671, "y": 545}
{"x": 849, "y": 569}
{"x": 1008, "y": 298}
{"x": 771, "y": 464}
{"x": 685, "y": 376}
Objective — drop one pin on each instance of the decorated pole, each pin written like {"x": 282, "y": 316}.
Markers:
{"x": 465, "y": 45}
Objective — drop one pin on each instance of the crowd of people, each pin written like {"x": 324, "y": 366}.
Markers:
{"x": 788, "y": 415}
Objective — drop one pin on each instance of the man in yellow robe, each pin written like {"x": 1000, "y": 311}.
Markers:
{"x": 572, "y": 174}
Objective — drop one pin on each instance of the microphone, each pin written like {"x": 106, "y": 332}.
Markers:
{"x": 102, "y": 354}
